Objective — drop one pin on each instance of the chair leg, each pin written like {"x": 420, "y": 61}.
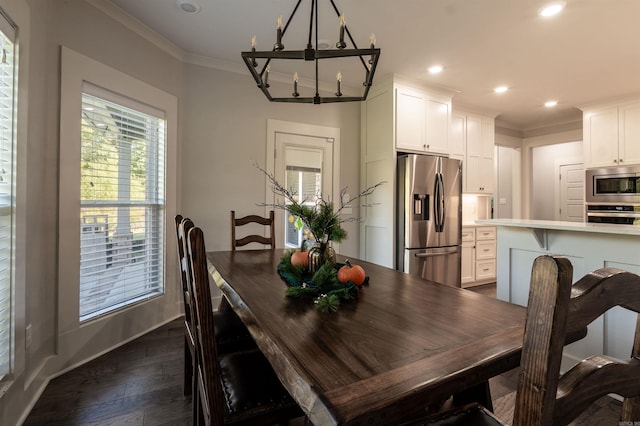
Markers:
{"x": 480, "y": 393}
{"x": 195, "y": 404}
{"x": 187, "y": 384}
{"x": 200, "y": 417}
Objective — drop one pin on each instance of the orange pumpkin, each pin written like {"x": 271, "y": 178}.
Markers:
{"x": 300, "y": 258}
{"x": 351, "y": 272}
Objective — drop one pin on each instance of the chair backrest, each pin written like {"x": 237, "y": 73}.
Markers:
{"x": 555, "y": 309}
{"x": 181, "y": 243}
{"x": 183, "y": 225}
{"x": 254, "y": 238}
{"x": 207, "y": 346}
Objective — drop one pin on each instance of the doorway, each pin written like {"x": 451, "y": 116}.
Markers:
{"x": 305, "y": 159}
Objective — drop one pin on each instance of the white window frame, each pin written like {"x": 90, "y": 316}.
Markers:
{"x": 9, "y": 30}
{"x": 109, "y": 330}
{"x": 132, "y": 281}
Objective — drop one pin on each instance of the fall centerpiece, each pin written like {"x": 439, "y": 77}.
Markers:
{"x": 311, "y": 271}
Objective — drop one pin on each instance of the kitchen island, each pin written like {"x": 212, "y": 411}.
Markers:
{"x": 589, "y": 246}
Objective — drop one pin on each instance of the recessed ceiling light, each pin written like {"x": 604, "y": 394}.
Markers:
{"x": 189, "y": 6}
{"x": 552, "y": 9}
{"x": 435, "y": 69}
{"x": 501, "y": 89}
{"x": 550, "y": 104}
{"x": 324, "y": 44}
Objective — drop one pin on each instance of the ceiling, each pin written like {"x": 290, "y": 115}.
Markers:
{"x": 588, "y": 53}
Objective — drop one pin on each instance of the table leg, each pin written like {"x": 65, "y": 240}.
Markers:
{"x": 479, "y": 393}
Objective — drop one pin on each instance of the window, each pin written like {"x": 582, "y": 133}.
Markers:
{"x": 7, "y": 196}
{"x": 305, "y": 182}
{"x": 122, "y": 206}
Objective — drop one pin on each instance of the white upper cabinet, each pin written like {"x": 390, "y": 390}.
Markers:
{"x": 629, "y": 135}
{"x": 476, "y": 134}
{"x": 612, "y": 135}
{"x": 438, "y": 123}
{"x": 600, "y": 134}
{"x": 411, "y": 115}
{"x": 422, "y": 120}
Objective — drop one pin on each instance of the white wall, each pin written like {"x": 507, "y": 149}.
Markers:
{"x": 508, "y": 190}
{"x": 546, "y": 178}
{"x": 225, "y": 129}
{"x": 507, "y": 197}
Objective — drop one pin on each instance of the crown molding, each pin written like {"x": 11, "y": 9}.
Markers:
{"x": 138, "y": 27}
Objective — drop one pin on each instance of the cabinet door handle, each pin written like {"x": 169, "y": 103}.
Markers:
{"x": 621, "y": 160}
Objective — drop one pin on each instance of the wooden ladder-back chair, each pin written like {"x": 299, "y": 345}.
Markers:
{"x": 556, "y": 309}
{"x": 233, "y": 388}
{"x": 254, "y": 238}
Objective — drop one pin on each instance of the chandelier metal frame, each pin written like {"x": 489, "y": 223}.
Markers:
{"x": 368, "y": 58}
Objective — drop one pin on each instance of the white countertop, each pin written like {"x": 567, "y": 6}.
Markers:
{"x": 563, "y": 226}
{"x": 471, "y": 224}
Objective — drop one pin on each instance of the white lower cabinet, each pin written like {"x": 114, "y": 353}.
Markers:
{"x": 478, "y": 255}
{"x": 468, "y": 274}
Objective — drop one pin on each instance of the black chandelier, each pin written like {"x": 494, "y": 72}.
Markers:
{"x": 368, "y": 58}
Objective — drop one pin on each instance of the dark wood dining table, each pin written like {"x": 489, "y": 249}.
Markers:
{"x": 404, "y": 344}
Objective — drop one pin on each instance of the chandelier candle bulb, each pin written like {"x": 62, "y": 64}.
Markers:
{"x": 266, "y": 76}
{"x": 278, "y": 45}
{"x": 372, "y": 40}
{"x": 341, "y": 44}
{"x": 253, "y": 49}
{"x": 295, "y": 93}
{"x": 339, "y": 80}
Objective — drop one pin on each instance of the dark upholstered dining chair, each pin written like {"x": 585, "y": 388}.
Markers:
{"x": 233, "y": 388}
{"x": 556, "y": 308}
{"x": 230, "y": 332}
{"x": 253, "y": 238}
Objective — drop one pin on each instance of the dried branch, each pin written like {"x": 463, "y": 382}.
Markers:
{"x": 321, "y": 219}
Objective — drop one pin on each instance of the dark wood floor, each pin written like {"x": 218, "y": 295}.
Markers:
{"x": 140, "y": 383}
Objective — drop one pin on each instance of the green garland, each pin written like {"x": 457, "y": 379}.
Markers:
{"x": 323, "y": 287}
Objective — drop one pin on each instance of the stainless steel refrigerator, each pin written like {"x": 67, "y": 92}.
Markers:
{"x": 429, "y": 216}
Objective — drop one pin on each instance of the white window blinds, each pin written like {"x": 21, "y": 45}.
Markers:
{"x": 7, "y": 199}
{"x": 122, "y": 202}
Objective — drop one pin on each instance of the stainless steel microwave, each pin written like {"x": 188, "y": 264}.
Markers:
{"x": 619, "y": 185}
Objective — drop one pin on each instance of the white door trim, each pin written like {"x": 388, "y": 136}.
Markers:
{"x": 278, "y": 126}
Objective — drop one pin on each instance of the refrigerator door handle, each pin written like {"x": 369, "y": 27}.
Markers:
{"x": 439, "y": 253}
{"x": 438, "y": 205}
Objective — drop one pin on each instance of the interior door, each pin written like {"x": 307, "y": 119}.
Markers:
{"x": 304, "y": 165}
{"x": 571, "y": 187}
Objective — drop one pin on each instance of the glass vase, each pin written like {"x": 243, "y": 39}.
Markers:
{"x": 320, "y": 254}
